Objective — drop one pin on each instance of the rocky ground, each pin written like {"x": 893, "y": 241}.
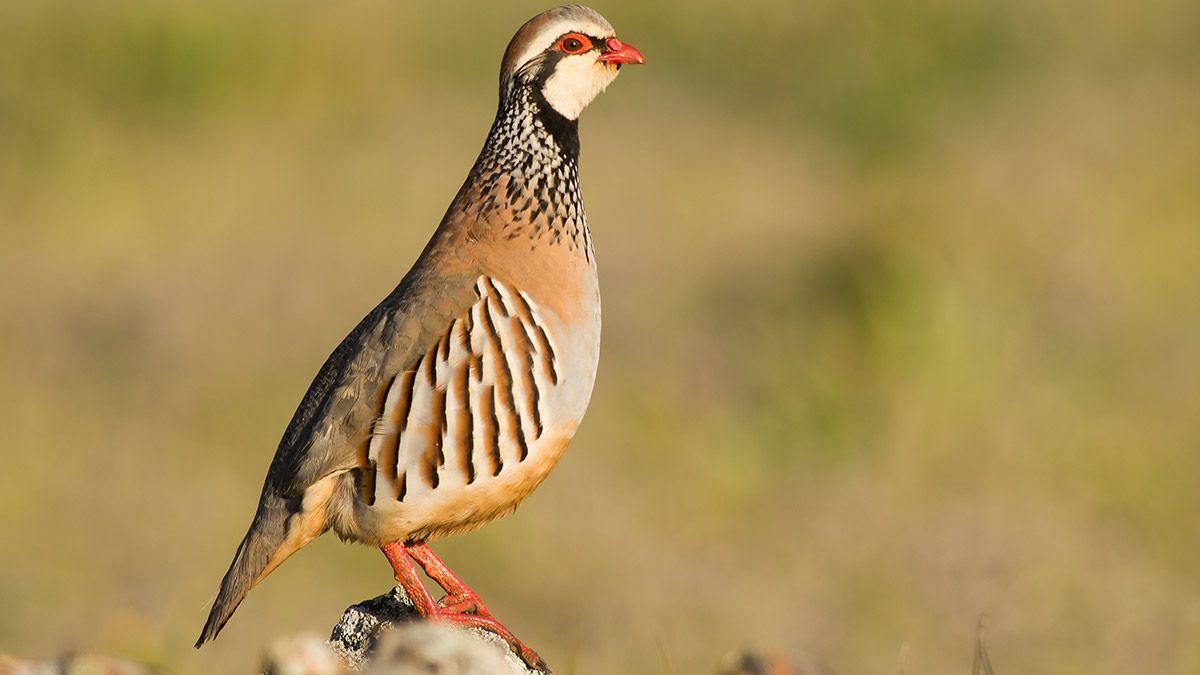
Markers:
{"x": 380, "y": 636}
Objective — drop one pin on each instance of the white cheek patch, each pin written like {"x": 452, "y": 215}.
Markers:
{"x": 547, "y": 36}
{"x": 575, "y": 82}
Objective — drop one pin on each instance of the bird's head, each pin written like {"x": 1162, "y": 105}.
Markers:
{"x": 567, "y": 54}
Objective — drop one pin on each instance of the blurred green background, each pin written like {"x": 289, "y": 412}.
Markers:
{"x": 902, "y": 324}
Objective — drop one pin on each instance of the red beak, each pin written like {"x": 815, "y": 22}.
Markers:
{"x": 616, "y": 51}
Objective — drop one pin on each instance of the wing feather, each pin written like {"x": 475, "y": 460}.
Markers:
{"x": 334, "y": 421}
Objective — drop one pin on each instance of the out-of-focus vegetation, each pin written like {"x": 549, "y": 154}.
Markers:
{"x": 902, "y": 308}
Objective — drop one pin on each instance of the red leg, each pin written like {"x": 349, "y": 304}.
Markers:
{"x": 460, "y": 607}
{"x": 460, "y": 597}
{"x": 409, "y": 580}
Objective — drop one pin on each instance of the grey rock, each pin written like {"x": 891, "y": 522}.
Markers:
{"x": 302, "y": 655}
{"x": 386, "y": 635}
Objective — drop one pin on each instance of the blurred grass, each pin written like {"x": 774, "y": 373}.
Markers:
{"x": 901, "y": 324}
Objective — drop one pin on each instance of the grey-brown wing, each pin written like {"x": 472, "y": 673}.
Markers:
{"x": 331, "y": 428}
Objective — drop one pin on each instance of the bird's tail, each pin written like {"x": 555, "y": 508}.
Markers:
{"x": 265, "y": 545}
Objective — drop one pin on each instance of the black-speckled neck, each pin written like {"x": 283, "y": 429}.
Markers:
{"x": 537, "y": 150}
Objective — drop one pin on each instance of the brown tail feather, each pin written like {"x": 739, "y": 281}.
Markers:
{"x": 279, "y": 530}
{"x": 258, "y": 554}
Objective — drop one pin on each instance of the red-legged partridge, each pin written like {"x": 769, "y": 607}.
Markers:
{"x": 454, "y": 398}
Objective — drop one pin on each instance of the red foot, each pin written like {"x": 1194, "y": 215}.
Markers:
{"x": 463, "y": 604}
{"x": 491, "y": 625}
{"x": 460, "y": 606}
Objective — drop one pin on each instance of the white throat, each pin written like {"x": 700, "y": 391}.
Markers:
{"x": 577, "y": 80}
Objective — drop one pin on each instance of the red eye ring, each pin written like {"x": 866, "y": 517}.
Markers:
{"x": 574, "y": 43}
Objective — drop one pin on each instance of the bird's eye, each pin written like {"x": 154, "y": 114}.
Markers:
{"x": 574, "y": 43}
